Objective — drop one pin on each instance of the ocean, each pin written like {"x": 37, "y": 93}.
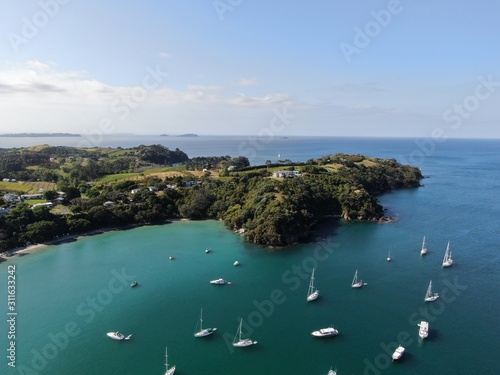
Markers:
{"x": 68, "y": 296}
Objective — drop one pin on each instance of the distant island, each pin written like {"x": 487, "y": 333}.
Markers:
{"x": 40, "y": 135}
{"x": 78, "y": 190}
{"x": 182, "y": 135}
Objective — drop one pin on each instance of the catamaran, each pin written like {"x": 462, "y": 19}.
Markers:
{"x": 423, "y": 331}
{"x": 355, "y": 282}
{"x": 203, "y": 332}
{"x": 423, "y": 251}
{"x": 429, "y": 295}
{"x": 312, "y": 293}
{"x": 241, "y": 343}
{"x": 447, "y": 261}
{"x": 172, "y": 369}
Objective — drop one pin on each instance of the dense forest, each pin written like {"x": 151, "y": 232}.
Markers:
{"x": 96, "y": 192}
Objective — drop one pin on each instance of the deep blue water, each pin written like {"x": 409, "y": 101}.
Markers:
{"x": 77, "y": 284}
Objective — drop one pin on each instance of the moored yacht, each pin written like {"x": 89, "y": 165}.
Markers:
{"x": 423, "y": 331}
{"x": 203, "y": 331}
{"x": 447, "y": 260}
{"x": 429, "y": 295}
{"x": 398, "y": 353}
{"x": 218, "y": 282}
{"x": 118, "y": 336}
{"x": 325, "y": 332}
{"x": 238, "y": 342}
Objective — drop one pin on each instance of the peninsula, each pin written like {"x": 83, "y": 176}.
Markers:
{"x": 40, "y": 135}
{"x": 49, "y": 192}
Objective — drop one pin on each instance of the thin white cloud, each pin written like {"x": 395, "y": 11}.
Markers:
{"x": 204, "y": 87}
{"x": 35, "y": 83}
{"x": 164, "y": 55}
{"x": 247, "y": 82}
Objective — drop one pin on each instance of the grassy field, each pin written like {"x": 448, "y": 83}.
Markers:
{"x": 26, "y": 187}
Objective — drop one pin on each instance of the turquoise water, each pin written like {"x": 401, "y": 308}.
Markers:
{"x": 75, "y": 287}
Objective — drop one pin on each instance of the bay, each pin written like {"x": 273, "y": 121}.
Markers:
{"x": 77, "y": 284}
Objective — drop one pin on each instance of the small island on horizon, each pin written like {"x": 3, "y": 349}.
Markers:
{"x": 181, "y": 135}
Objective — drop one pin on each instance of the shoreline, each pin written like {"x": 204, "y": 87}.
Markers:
{"x": 25, "y": 250}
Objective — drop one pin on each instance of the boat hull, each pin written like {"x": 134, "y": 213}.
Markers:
{"x": 431, "y": 299}
{"x": 313, "y": 296}
{"x": 244, "y": 343}
{"x": 325, "y": 332}
{"x": 398, "y": 353}
{"x": 205, "y": 332}
{"x": 117, "y": 336}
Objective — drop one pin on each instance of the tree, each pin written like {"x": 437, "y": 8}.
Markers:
{"x": 41, "y": 231}
{"x": 50, "y": 195}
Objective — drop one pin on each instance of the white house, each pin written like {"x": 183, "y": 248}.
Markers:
{"x": 9, "y": 197}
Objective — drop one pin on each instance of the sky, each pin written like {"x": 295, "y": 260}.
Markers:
{"x": 391, "y": 68}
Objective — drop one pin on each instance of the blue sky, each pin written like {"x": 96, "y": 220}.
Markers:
{"x": 339, "y": 68}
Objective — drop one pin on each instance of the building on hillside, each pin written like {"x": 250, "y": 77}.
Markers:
{"x": 9, "y": 197}
{"x": 32, "y": 196}
{"x": 47, "y": 204}
{"x": 287, "y": 174}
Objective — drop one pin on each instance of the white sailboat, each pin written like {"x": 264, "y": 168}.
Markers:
{"x": 423, "y": 251}
{"x": 172, "y": 369}
{"x": 203, "y": 332}
{"x": 241, "y": 343}
{"x": 447, "y": 261}
{"x": 389, "y": 256}
{"x": 355, "y": 282}
{"x": 429, "y": 295}
{"x": 332, "y": 372}
{"x": 312, "y": 293}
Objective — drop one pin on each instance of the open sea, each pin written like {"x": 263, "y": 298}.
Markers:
{"x": 68, "y": 296}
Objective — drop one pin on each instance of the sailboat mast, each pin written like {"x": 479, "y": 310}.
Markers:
{"x": 201, "y": 320}
{"x": 241, "y": 322}
{"x": 166, "y": 359}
